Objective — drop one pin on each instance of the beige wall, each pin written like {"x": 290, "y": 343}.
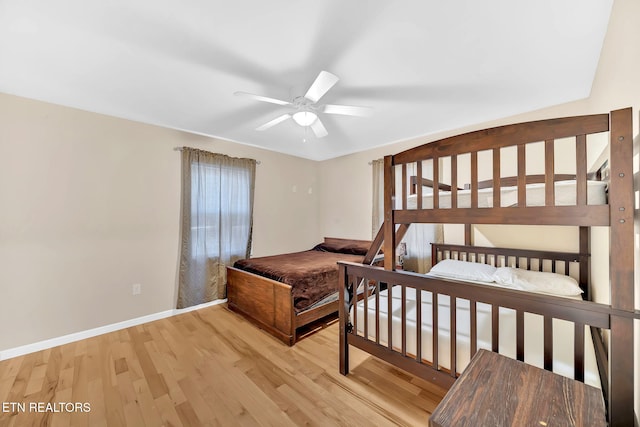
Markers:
{"x": 90, "y": 205}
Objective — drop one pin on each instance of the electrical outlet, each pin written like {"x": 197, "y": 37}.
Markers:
{"x": 136, "y": 289}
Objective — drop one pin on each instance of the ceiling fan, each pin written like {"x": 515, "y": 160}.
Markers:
{"x": 308, "y": 108}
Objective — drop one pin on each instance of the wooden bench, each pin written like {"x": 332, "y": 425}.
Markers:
{"x": 495, "y": 390}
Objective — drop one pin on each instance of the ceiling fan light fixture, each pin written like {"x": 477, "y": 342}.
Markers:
{"x": 306, "y": 111}
{"x": 305, "y": 118}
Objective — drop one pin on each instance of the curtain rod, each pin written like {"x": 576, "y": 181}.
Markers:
{"x": 180, "y": 149}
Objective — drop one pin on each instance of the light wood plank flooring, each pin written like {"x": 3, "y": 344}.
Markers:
{"x": 210, "y": 367}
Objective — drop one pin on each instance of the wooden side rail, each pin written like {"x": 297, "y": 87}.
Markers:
{"x": 512, "y": 181}
{"x": 580, "y": 313}
{"x": 507, "y": 181}
{"x": 413, "y": 182}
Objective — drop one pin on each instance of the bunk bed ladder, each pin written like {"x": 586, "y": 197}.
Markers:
{"x": 378, "y": 241}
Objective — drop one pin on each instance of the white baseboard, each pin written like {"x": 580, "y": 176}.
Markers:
{"x": 77, "y": 336}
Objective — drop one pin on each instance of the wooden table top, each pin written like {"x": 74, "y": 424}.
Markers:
{"x": 495, "y": 390}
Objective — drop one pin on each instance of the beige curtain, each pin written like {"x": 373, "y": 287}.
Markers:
{"x": 378, "y": 196}
{"x": 217, "y": 221}
{"x": 419, "y": 237}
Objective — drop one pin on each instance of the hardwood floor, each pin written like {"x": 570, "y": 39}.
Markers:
{"x": 208, "y": 367}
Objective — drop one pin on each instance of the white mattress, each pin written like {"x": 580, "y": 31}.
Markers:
{"x": 565, "y": 195}
{"x": 563, "y": 333}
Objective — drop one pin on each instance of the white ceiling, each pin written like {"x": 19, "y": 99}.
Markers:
{"x": 423, "y": 66}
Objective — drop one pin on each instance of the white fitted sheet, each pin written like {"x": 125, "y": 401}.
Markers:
{"x": 563, "y": 333}
{"x": 565, "y": 195}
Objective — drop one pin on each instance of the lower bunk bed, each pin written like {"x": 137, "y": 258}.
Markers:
{"x": 560, "y": 333}
{"x": 283, "y": 293}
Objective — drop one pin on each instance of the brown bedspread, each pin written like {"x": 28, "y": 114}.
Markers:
{"x": 312, "y": 274}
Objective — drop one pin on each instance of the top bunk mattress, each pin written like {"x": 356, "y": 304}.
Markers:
{"x": 565, "y": 195}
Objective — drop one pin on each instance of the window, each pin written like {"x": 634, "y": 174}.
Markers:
{"x": 217, "y": 219}
{"x": 220, "y": 210}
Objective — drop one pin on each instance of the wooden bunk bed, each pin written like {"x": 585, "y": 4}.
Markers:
{"x": 282, "y": 293}
{"x": 608, "y": 326}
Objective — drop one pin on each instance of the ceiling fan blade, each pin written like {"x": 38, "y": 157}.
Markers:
{"x": 347, "y": 110}
{"x": 321, "y": 85}
{"x": 273, "y": 122}
{"x": 262, "y": 98}
{"x": 318, "y": 128}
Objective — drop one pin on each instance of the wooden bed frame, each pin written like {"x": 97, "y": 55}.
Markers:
{"x": 616, "y": 361}
{"x": 567, "y": 309}
{"x": 269, "y": 304}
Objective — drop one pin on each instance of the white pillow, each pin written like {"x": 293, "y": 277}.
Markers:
{"x": 464, "y": 270}
{"x": 537, "y": 281}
